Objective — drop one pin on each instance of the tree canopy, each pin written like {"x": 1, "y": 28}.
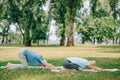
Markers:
{"x": 96, "y": 21}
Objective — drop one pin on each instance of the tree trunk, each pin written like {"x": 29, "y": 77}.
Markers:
{"x": 83, "y": 40}
{"x": 2, "y": 39}
{"x": 106, "y": 40}
{"x": 27, "y": 41}
{"x": 48, "y": 34}
{"x": 98, "y": 40}
{"x": 113, "y": 40}
{"x": 62, "y": 40}
{"x": 119, "y": 41}
{"x": 20, "y": 29}
{"x": 70, "y": 41}
{"x": 116, "y": 40}
{"x": 6, "y": 42}
{"x": 94, "y": 40}
{"x": 70, "y": 37}
{"x": 71, "y": 25}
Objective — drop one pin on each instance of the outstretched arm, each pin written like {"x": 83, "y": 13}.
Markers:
{"x": 48, "y": 65}
{"x": 94, "y": 67}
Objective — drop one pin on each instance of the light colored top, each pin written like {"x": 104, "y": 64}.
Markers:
{"x": 81, "y": 62}
{"x": 33, "y": 57}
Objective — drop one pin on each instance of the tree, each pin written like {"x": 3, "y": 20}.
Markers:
{"x": 99, "y": 9}
{"x": 84, "y": 28}
{"x": 98, "y": 26}
{"x": 25, "y": 13}
{"x": 115, "y": 11}
{"x": 67, "y": 12}
{"x": 73, "y": 6}
{"x": 39, "y": 30}
{"x": 59, "y": 7}
{"x": 4, "y": 24}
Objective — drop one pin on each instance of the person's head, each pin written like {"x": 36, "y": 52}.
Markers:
{"x": 92, "y": 62}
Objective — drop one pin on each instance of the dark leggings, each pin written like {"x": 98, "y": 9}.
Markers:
{"x": 68, "y": 65}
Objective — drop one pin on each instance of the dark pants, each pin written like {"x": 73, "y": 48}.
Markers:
{"x": 68, "y": 65}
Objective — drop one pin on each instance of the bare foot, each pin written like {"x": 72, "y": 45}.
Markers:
{"x": 8, "y": 65}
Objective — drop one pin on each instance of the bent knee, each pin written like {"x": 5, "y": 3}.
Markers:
{"x": 21, "y": 51}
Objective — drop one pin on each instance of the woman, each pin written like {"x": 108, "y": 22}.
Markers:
{"x": 75, "y": 63}
{"x": 28, "y": 56}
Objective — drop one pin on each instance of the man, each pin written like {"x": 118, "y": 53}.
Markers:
{"x": 28, "y": 56}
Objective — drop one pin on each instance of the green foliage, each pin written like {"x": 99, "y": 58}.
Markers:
{"x": 26, "y": 13}
{"x": 114, "y": 5}
{"x": 39, "y": 34}
{"x": 98, "y": 28}
{"x": 4, "y": 23}
{"x": 100, "y": 13}
{"x": 67, "y": 12}
{"x": 15, "y": 38}
{"x": 99, "y": 24}
{"x": 58, "y": 11}
{"x": 3, "y": 8}
{"x": 32, "y": 20}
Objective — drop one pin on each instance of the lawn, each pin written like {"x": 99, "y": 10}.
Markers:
{"x": 105, "y": 56}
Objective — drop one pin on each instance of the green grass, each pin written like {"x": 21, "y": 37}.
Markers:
{"x": 105, "y": 56}
{"x": 46, "y": 74}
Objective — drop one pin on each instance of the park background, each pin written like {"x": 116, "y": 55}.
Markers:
{"x": 58, "y": 29}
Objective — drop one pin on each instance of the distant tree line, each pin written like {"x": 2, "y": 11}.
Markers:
{"x": 98, "y": 23}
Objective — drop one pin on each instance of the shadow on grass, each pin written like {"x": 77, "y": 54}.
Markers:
{"x": 41, "y": 45}
{"x": 45, "y": 45}
{"x": 111, "y": 51}
{"x": 109, "y": 46}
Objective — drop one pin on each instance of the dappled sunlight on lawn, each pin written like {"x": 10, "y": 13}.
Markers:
{"x": 8, "y": 53}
